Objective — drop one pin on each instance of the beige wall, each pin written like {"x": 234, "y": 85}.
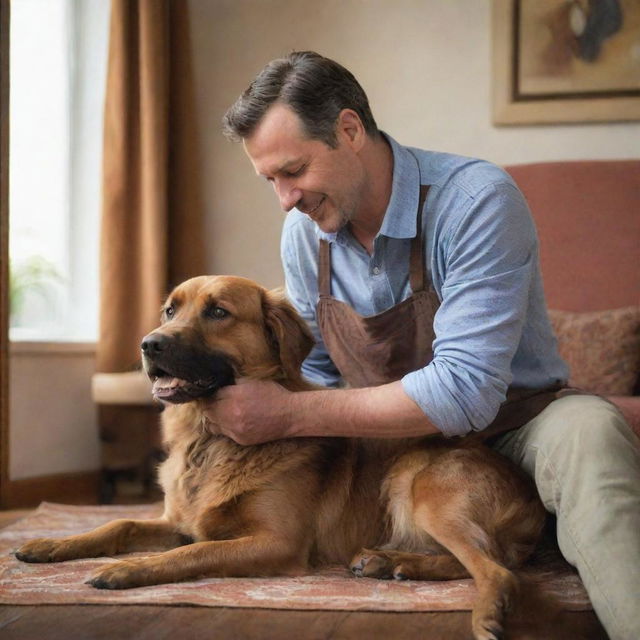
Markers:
{"x": 53, "y": 420}
{"x": 425, "y": 65}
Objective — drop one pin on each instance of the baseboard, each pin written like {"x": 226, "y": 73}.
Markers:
{"x": 67, "y": 488}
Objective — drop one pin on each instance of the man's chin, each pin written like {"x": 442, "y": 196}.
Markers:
{"x": 331, "y": 224}
{"x": 329, "y": 228}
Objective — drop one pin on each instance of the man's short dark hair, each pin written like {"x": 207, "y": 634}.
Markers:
{"x": 316, "y": 88}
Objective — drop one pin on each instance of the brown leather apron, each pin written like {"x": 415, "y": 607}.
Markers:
{"x": 374, "y": 350}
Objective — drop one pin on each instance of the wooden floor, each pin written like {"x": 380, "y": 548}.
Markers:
{"x": 187, "y": 623}
{"x": 148, "y": 622}
{"x": 105, "y": 622}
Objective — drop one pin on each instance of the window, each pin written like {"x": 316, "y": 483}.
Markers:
{"x": 57, "y": 82}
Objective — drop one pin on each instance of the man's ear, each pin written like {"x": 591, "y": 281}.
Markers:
{"x": 289, "y": 334}
{"x": 351, "y": 128}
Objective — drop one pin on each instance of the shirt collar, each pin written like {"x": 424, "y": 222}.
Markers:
{"x": 400, "y": 218}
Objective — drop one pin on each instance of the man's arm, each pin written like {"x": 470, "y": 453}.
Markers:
{"x": 252, "y": 412}
{"x": 488, "y": 253}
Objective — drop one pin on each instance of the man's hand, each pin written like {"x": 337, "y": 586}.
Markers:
{"x": 256, "y": 411}
{"x": 250, "y": 412}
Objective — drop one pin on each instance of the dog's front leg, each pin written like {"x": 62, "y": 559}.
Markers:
{"x": 255, "y": 555}
{"x": 119, "y": 536}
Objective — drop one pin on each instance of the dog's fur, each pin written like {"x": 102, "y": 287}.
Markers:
{"x": 421, "y": 509}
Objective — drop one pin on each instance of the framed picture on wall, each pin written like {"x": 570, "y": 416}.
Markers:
{"x": 566, "y": 61}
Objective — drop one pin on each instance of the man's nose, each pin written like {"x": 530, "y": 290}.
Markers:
{"x": 288, "y": 194}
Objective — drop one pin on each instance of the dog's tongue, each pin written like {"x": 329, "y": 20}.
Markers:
{"x": 166, "y": 386}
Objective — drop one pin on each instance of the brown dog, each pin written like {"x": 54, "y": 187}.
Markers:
{"x": 423, "y": 508}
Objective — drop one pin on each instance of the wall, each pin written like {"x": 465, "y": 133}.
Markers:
{"x": 426, "y": 66}
{"x": 53, "y": 420}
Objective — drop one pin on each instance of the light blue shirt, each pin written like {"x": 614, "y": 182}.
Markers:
{"x": 481, "y": 253}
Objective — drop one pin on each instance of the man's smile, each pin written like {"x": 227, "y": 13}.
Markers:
{"x": 312, "y": 211}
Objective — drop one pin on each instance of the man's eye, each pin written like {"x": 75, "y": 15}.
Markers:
{"x": 294, "y": 173}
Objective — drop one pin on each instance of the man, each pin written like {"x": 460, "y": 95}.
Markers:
{"x": 418, "y": 274}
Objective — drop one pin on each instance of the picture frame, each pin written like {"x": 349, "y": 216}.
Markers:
{"x": 543, "y": 73}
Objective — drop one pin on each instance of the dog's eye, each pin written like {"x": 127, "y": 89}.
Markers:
{"x": 169, "y": 311}
{"x": 218, "y": 313}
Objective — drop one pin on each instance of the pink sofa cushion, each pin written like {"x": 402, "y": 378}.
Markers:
{"x": 588, "y": 219}
{"x": 602, "y": 348}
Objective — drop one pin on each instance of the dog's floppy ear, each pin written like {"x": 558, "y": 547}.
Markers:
{"x": 289, "y": 333}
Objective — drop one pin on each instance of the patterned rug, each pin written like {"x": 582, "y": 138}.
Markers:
{"x": 330, "y": 589}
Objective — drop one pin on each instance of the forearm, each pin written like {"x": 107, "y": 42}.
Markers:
{"x": 374, "y": 412}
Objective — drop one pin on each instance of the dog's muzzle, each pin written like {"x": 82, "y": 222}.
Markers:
{"x": 181, "y": 372}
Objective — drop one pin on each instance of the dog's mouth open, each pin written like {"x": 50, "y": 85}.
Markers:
{"x": 178, "y": 390}
{"x": 181, "y": 374}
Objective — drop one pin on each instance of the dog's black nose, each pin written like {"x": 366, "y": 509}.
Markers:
{"x": 154, "y": 343}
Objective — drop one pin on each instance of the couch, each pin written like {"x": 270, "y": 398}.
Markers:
{"x": 588, "y": 219}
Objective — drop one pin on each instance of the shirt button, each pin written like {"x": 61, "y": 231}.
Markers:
{"x": 376, "y": 271}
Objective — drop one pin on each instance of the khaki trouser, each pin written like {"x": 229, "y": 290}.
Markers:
{"x": 586, "y": 464}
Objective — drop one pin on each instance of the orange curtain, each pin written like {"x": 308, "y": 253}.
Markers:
{"x": 152, "y": 228}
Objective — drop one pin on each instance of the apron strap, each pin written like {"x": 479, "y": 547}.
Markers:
{"x": 324, "y": 269}
{"x": 416, "y": 259}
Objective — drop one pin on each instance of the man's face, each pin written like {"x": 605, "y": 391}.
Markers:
{"x": 322, "y": 182}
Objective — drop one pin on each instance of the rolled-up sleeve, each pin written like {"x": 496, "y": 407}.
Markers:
{"x": 486, "y": 261}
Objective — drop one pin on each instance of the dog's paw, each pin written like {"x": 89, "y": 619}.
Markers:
{"x": 491, "y": 631}
{"x": 46, "y": 550}
{"x": 124, "y": 574}
{"x": 492, "y": 607}
{"x": 372, "y": 564}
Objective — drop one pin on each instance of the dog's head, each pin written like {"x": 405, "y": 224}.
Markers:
{"x": 217, "y": 328}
